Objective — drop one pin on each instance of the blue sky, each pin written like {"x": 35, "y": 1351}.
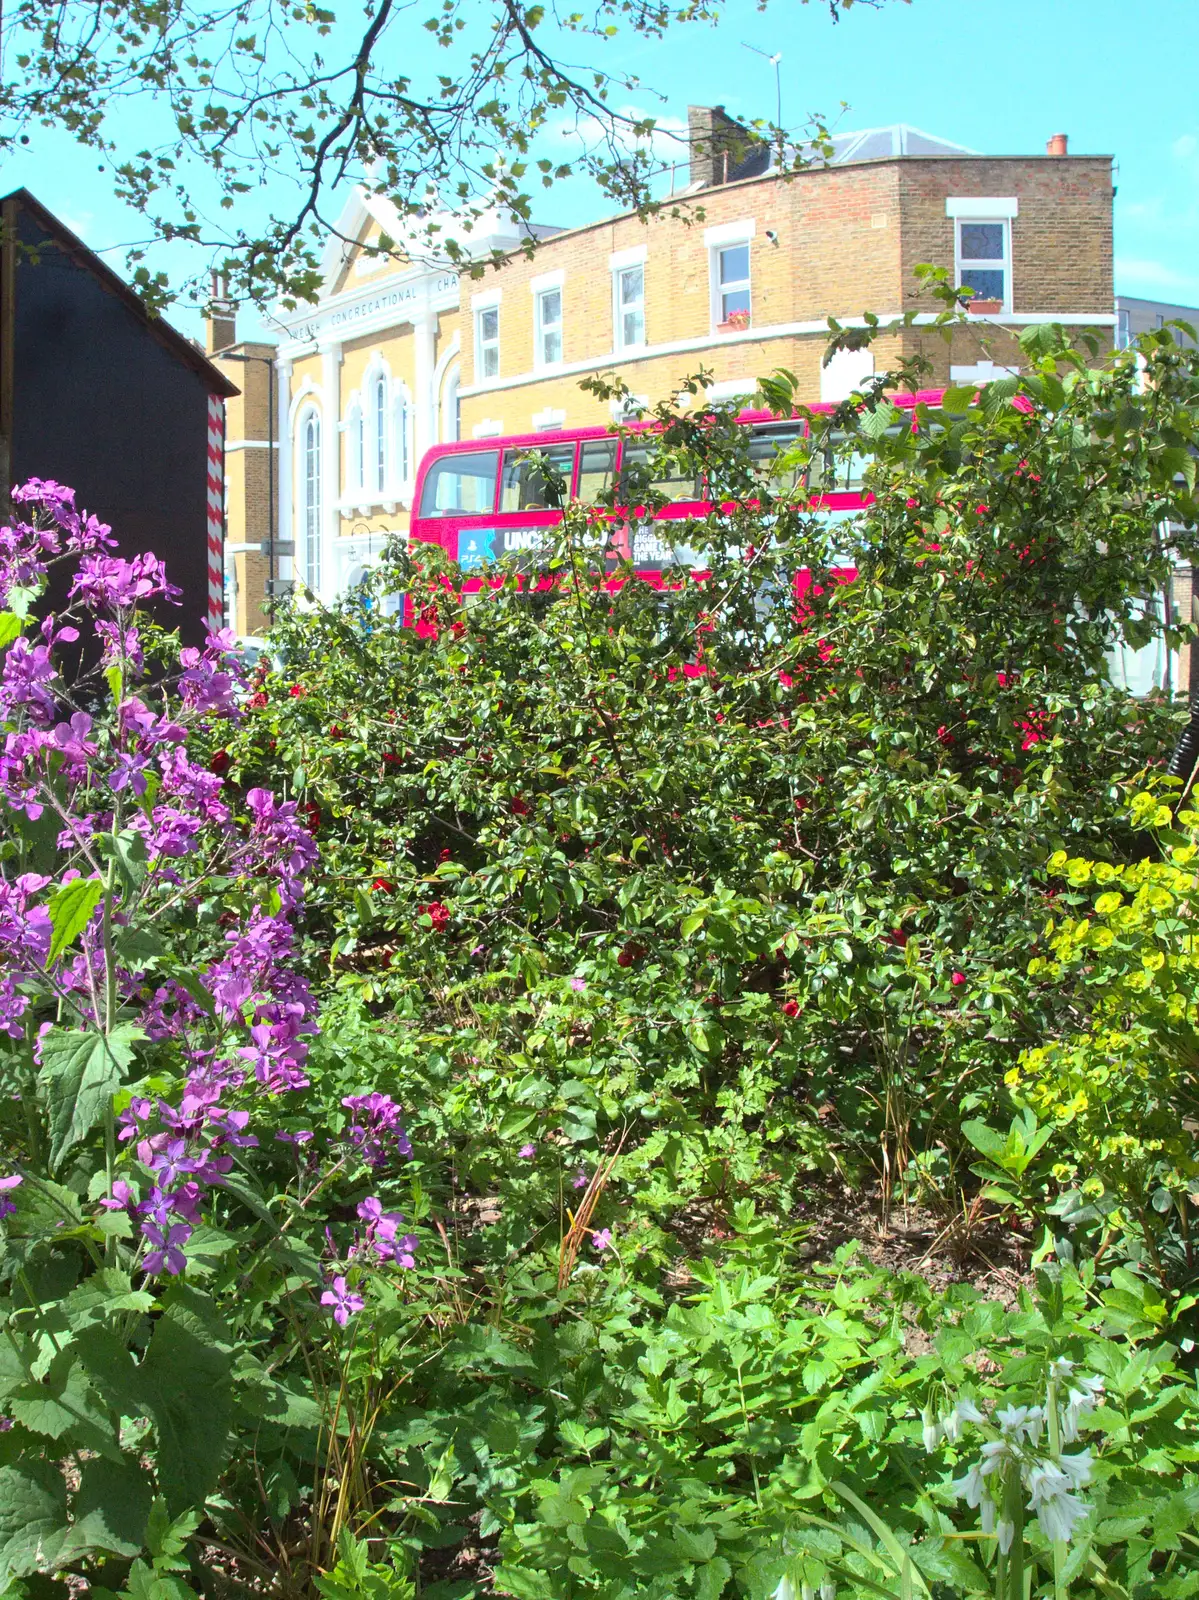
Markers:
{"x": 999, "y": 79}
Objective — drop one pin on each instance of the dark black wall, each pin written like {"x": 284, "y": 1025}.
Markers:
{"x": 101, "y": 405}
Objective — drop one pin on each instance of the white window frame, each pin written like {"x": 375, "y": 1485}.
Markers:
{"x": 620, "y": 262}
{"x": 542, "y": 286}
{"x": 999, "y": 263}
{"x": 310, "y": 499}
{"x": 401, "y": 434}
{"x": 483, "y": 345}
{"x": 355, "y": 447}
{"x": 379, "y": 397}
{"x": 724, "y": 236}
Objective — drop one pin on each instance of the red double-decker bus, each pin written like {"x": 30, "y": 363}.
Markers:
{"x": 484, "y": 500}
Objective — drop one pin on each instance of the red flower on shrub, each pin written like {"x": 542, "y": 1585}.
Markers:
{"x": 958, "y": 979}
{"x": 257, "y": 702}
{"x": 634, "y": 950}
{"x": 446, "y": 855}
{"x": 945, "y": 737}
{"x": 519, "y": 807}
{"x": 438, "y": 913}
{"x": 219, "y": 762}
{"x": 426, "y": 623}
{"x": 383, "y": 885}
{"x": 312, "y": 816}
{"x": 297, "y": 691}
{"x": 336, "y": 731}
{"x": 791, "y": 1008}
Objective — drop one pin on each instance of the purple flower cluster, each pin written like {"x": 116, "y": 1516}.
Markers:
{"x": 242, "y": 1022}
{"x": 56, "y": 531}
{"x": 183, "y": 1152}
{"x": 376, "y": 1132}
{"x": 6, "y": 1206}
{"x": 382, "y": 1240}
{"x": 379, "y": 1243}
{"x": 106, "y": 583}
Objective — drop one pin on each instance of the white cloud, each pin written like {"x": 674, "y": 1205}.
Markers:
{"x": 1151, "y": 278}
{"x": 667, "y": 143}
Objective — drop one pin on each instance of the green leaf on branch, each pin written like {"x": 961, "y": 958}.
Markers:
{"x": 33, "y": 1520}
{"x": 188, "y": 1356}
{"x": 111, "y": 1509}
{"x": 10, "y": 628}
{"x": 70, "y": 909}
{"x": 64, "y": 1406}
{"x": 81, "y": 1070}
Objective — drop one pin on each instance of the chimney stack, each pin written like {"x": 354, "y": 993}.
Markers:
{"x": 1057, "y": 145}
{"x": 718, "y": 145}
{"x": 220, "y": 320}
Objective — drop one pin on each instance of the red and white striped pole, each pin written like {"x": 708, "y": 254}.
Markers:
{"x": 216, "y": 512}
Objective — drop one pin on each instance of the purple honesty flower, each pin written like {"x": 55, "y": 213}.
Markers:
{"x": 6, "y": 1206}
{"x": 376, "y": 1131}
{"x": 28, "y": 672}
{"x": 527, "y": 1152}
{"x": 109, "y": 584}
{"x": 578, "y": 984}
{"x": 301, "y": 1136}
{"x": 204, "y": 686}
{"x": 383, "y": 1238}
{"x": 121, "y": 644}
{"x": 602, "y": 1240}
{"x": 344, "y": 1302}
{"x": 129, "y": 772}
{"x": 167, "y": 1253}
{"x": 121, "y": 1199}
{"x": 580, "y": 1179}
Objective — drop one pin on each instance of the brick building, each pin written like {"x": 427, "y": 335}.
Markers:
{"x": 737, "y": 277}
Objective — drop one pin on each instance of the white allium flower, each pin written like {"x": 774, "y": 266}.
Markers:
{"x": 964, "y": 1411}
{"x": 969, "y": 1488}
{"x": 986, "y": 1513}
{"x": 1061, "y": 1367}
{"x": 1080, "y": 1402}
{"x": 785, "y": 1590}
{"x": 995, "y": 1453}
{"x": 828, "y": 1590}
{"x": 807, "y": 1592}
{"x": 1007, "y": 1532}
{"x": 1077, "y": 1468}
{"x": 1021, "y": 1422}
{"x": 1056, "y": 1508}
{"x": 931, "y": 1429}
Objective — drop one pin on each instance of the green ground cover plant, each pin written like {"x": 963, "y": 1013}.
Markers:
{"x": 430, "y": 1065}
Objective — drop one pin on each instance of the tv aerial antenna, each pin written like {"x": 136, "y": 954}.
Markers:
{"x": 774, "y": 61}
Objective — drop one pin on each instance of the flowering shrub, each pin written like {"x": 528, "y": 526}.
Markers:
{"x": 1117, "y": 1081}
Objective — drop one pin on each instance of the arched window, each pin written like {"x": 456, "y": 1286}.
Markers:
{"x": 310, "y": 497}
{"x": 379, "y": 397}
{"x": 355, "y": 448}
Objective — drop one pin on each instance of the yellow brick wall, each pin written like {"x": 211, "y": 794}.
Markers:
{"x": 846, "y": 241}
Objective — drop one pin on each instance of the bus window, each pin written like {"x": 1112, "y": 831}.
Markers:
{"x": 767, "y": 443}
{"x": 596, "y": 465}
{"x": 524, "y": 487}
{"x": 639, "y": 455}
{"x": 459, "y": 485}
